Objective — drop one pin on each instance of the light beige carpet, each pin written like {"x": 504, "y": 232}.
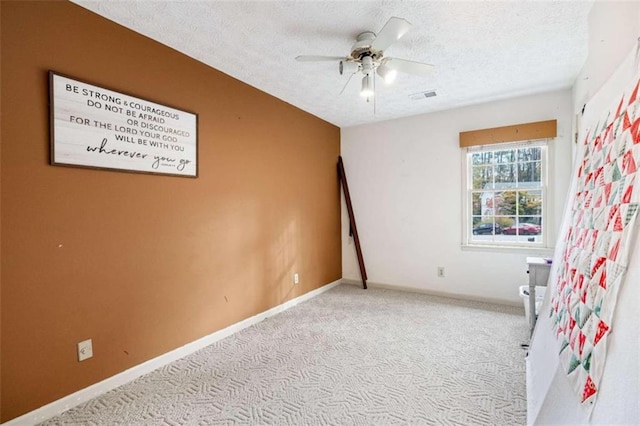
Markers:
{"x": 347, "y": 357}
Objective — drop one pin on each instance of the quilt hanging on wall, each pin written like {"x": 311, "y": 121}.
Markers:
{"x": 597, "y": 242}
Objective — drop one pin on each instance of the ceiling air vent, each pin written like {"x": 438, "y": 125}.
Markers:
{"x": 423, "y": 95}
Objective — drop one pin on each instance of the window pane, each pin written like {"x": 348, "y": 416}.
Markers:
{"x": 530, "y": 154}
{"x": 530, "y": 203}
{"x": 488, "y": 201}
{"x": 505, "y": 203}
{"x": 508, "y": 228}
{"x": 476, "y": 202}
{"x": 505, "y": 221}
{"x": 507, "y": 156}
{"x": 529, "y": 229}
{"x": 485, "y": 229}
{"x": 484, "y": 157}
{"x": 530, "y": 225}
{"x": 482, "y": 177}
{"x": 529, "y": 173}
{"x": 505, "y": 173}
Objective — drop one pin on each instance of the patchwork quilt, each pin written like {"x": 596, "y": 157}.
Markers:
{"x": 597, "y": 243}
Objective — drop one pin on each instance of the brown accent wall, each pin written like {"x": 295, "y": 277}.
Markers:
{"x": 143, "y": 264}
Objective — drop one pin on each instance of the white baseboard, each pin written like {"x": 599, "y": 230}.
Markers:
{"x": 63, "y": 404}
{"x": 433, "y": 292}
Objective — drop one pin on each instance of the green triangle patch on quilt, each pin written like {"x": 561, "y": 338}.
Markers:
{"x": 616, "y": 174}
{"x": 586, "y": 364}
{"x": 573, "y": 364}
{"x": 614, "y": 271}
{"x": 585, "y": 313}
{"x": 616, "y": 194}
{"x": 631, "y": 213}
{"x": 598, "y": 308}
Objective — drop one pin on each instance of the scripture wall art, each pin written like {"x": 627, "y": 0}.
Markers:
{"x": 100, "y": 128}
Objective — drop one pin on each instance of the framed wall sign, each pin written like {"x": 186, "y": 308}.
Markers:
{"x": 99, "y": 128}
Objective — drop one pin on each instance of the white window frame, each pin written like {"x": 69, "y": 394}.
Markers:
{"x": 467, "y": 199}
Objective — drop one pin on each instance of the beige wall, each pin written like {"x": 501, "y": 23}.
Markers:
{"x": 143, "y": 264}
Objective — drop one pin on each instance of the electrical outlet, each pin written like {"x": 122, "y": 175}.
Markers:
{"x": 440, "y": 271}
{"x": 296, "y": 278}
{"x": 85, "y": 350}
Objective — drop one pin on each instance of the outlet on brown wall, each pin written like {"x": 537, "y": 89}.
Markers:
{"x": 142, "y": 264}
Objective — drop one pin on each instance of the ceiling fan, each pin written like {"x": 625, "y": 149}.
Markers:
{"x": 367, "y": 57}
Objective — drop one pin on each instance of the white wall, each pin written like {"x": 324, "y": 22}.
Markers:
{"x": 405, "y": 181}
{"x": 613, "y": 32}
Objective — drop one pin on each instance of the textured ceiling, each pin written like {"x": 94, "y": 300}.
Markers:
{"x": 482, "y": 51}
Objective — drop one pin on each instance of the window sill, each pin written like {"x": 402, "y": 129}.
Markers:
{"x": 537, "y": 251}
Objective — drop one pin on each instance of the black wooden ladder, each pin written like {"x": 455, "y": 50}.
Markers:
{"x": 353, "y": 231}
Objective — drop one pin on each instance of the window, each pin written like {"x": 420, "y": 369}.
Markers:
{"x": 506, "y": 194}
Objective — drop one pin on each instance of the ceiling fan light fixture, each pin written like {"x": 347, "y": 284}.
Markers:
{"x": 367, "y": 86}
{"x": 387, "y": 74}
{"x": 348, "y": 67}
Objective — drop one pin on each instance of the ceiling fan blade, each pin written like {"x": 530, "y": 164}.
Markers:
{"x": 392, "y": 31}
{"x": 312, "y": 58}
{"x": 409, "y": 67}
{"x": 347, "y": 83}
